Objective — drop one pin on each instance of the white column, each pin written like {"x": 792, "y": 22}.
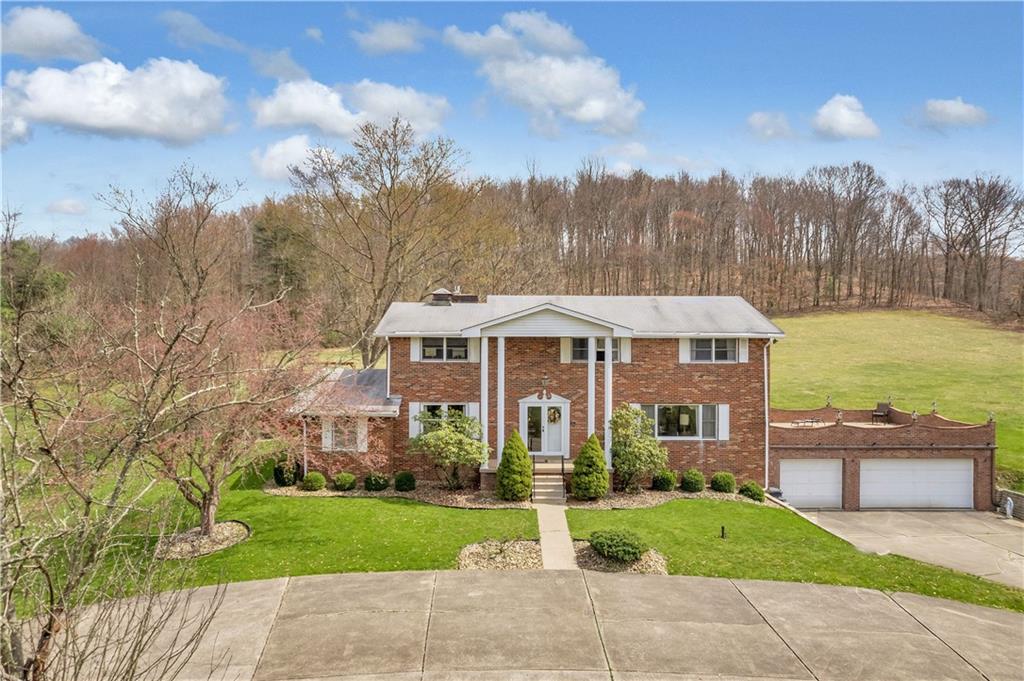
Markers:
{"x": 591, "y": 381}
{"x": 485, "y": 414}
{"x": 608, "y": 401}
{"x": 501, "y": 397}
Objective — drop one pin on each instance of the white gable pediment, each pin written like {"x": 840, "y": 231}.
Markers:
{"x": 547, "y": 320}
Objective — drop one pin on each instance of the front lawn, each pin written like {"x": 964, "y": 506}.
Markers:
{"x": 771, "y": 543}
{"x": 314, "y": 535}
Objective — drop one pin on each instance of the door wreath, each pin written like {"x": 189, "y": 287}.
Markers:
{"x": 554, "y": 414}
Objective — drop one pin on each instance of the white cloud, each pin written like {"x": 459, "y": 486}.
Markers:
{"x": 380, "y": 102}
{"x": 41, "y": 33}
{"x": 67, "y": 207}
{"x": 953, "y": 113}
{"x": 306, "y": 104}
{"x": 310, "y": 104}
{"x": 541, "y": 66}
{"x": 274, "y": 162}
{"x": 314, "y": 34}
{"x": 843, "y": 117}
{"x": 769, "y": 125}
{"x": 172, "y": 101}
{"x": 186, "y": 30}
{"x": 384, "y": 37}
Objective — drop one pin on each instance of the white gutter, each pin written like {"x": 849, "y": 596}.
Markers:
{"x": 767, "y": 409}
{"x": 304, "y": 447}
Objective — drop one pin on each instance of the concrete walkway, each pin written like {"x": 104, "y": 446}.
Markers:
{"x": 555, "y": 542}
{"x": 976, "y": 542}
{"x": 551, "y": 625}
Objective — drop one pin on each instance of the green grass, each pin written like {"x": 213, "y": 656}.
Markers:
{"x": 314, "y": 535}
{"x": 861, "y": 358}
{"x": 771, "y": 543}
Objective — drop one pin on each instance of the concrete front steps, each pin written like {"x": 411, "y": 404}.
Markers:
{"x": 548, "y": 489}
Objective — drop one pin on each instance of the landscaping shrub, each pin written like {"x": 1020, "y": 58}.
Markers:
{"x": 635, "y": 451}
{"x": 375, "y": 482}
{"x": 623, "y": 545}
{"x": 752, "y": 490}
{"x": 723, "y": 482}
{"x": 284, "y": 473}
{"x": 405, "y": 481}
{"x": 664, "y": 481}
{"x": 514, "y": 478}
{"x": 314, "y": 482}
{"x": 452, "y": 442}
{"x": 344, "y": 481}
{"x": 589, "y": 472}
{"x": 693, "y": 481}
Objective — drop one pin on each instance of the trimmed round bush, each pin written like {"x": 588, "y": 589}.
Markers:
{"x": 589, "y": 472}
{"x": 752, "y": 490}
{"x": 344, "y": 481}
{"x": 514, "y": 477}
{"x": 405, "y": 481}
{"x": 723, "y": 481}
{"x": 664, "y": 481}
{"x": 284, "y": 473}
{"x": 314, "y": 482}
{"x": 376, "y": 482}
{"x": 693, "y": 481}
{"x": 622, "y": 545}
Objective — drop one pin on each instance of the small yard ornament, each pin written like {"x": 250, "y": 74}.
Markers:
{"x": 913, "y": 415}
{"x": 935, "y": 407}
{"x": 1008, "y": 506}
{"x": 828, "y": 400}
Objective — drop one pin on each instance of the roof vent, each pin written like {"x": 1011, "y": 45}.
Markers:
{"x": 441, "y": 296}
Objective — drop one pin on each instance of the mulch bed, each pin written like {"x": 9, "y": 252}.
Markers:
{"x": 191, "y": 544}
{"x": 427, "y": 492}
{"x": 651, "y": 563}
{"x": 647, "y": 498}
{"x": 497, "y": 555}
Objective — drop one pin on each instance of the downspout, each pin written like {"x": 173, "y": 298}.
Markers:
{"x": 304, "y": 446}
{"x": 767, "y": 409}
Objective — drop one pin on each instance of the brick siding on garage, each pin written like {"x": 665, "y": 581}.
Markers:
{"x": 851, "y": 443}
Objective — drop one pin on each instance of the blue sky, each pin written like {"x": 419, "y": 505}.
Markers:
{"x": 921, "y": 90}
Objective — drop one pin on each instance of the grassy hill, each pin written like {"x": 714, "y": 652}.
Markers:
{"x": 860, "y": 358}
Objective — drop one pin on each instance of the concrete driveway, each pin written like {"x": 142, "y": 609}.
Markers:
{"x": 571, "y": 625}
{"x": 976, "y": 542}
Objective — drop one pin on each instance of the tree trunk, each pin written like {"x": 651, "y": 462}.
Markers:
{"x": 208, "y": 511}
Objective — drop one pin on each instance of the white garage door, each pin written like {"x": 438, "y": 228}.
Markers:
{"x": 917, "y": 483}
{"x": 812, "y": 483}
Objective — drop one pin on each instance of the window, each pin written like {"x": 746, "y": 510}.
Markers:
{"x": 579, "y": 349}
{"x": 435, "y": 412}
{"x": 713, "y": 350}
{"x": 695, "y": 421}
{"x": 444, "y": 349}
{"x": 344, "y": 434}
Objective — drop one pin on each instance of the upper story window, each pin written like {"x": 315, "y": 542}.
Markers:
{"x": 579, "y": 349}
{"x": 696, "y": 421}
{"x": 713, "y": 350}
{"x": 444, "y": 349}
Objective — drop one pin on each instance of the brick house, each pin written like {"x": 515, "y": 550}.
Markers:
{"x": 540, "y": 365}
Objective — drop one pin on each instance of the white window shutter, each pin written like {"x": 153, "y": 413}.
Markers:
{"x": 625, "y": 350}
{"x": 723, "y": 422}
{"x": 326, "y": 433}
{"x": 473, "y": 410}
{"x": 684, "y": 350}
{"x": 743, "y": 350}
{"x": 566, "y": 350}
{"x": 414, "y": 425}
{"x": 474, "y": 349}
{"x": 414, "y": 349}
{"x": 634, "y": 405}
{"x": 363, "y": 435}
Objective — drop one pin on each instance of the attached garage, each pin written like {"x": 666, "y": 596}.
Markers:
{"x": 812, "y": 483}
{"x": 917, "y": 483}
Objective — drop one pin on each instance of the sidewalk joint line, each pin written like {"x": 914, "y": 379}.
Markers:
{"x": 928, "y": 629}
{"x": 775, "y": 631}
{"x": 426, "y": 633}
{"x": 597, "y": 623}
{"x": 273, "y": 623}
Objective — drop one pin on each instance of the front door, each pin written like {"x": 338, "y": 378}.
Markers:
{"x": 545, "y": 427}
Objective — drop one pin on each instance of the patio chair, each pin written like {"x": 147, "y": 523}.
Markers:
{"x": 881, "y": 413}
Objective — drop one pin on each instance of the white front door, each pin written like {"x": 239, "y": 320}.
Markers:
{"x": 545, "y": 425}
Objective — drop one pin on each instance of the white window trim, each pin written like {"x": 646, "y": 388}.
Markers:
{"x": 444, "y": 352}
{"x": 327, "y": 436}
{"x": 700, "y": 422}
{"x": 693, "y": 351}
{"x": 616, "y": 350}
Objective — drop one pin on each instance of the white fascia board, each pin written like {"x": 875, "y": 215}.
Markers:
{"x": 618, "y": 331}
{"x": 709, "y": 334}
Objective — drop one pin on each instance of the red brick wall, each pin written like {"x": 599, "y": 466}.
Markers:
{"x": 654, "y": 375}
